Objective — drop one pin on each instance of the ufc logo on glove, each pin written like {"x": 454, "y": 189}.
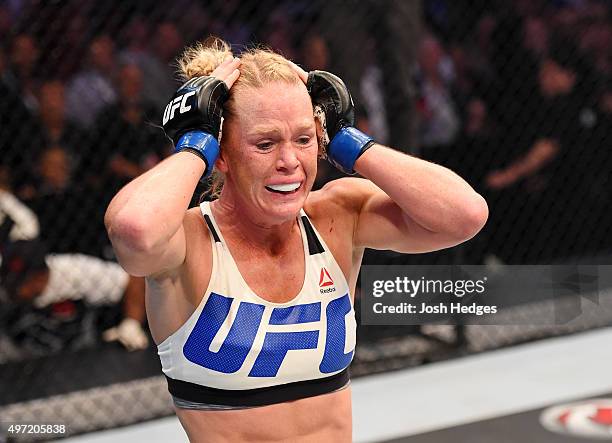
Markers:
{"x": 179, "y": 103}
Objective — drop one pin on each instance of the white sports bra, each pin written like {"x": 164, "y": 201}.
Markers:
{"x": 238, "y": 349}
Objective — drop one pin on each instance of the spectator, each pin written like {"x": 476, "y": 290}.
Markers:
{"x": 278, "y": 33}
{"x": 315, "y": 53}
{"x": 515, "y": 77}
{"x": 228, "y": 24}
{"x": 536, "y": 36}
{"x": 484, "y": 35}
{"x": 57, "y": 129}
{"x": 596, "y": 40}
{"x": 473, "y": 73}
{"x": 92, "y": 89}
{"x": 156, "y": 65}
{"x": 64, "y": 206}
{"x": 394, "y": 26}
{"x": 554, "y": 169}
{"x": 67, "y": 59}
{"x": 194, "y": 18}
{"x": 598, "y": 180}
{"x": 439, "y": 122}
{"x": 6, "y": 21}
{"x": 54, "y": 284}
{"x": 19, "y": 76}
{"x": 128, "y": 141}
{"x": 19, "y": 128}
{"x": 372, "y": 88}
{"x": 166, "y": 46}
{"x": 477, "y": 149}
{"x": 135, "y": 40}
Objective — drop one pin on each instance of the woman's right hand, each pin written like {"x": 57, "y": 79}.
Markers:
{"x": 192, "y": 118}
{"x": 228, "y": 71}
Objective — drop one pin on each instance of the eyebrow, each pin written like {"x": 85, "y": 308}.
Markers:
{"x": 272, "y": 130}
{"x": 263, "y": 130}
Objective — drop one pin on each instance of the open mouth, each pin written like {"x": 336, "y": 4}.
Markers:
{"x": 284, "y": 189}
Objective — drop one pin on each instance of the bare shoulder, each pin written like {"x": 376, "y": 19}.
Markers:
{"x": 198, "y": 257}
{"x": 194, "y": 224}
{"x": 334, "y": 210}
{"x": 197, "y": 246}
{"x": 344, "y": 195}
{"x": 173, "y": 296}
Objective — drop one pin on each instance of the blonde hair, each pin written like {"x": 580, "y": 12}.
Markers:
{"x": 258, "y": 67}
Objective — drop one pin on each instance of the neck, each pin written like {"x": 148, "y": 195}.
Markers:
{"x": 238, "y": 221}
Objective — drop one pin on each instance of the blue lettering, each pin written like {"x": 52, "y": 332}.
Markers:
{"x": 334, "y": 358}
{"x": 233, "y": 351}
{"x": 275, "y": 347}
{"x": 277, "y": 344}
{"x": 296, "y": 314}
{"x": 238, "y": 342}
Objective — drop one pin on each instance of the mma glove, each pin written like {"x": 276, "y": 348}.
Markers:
{"x": 332, "y": 99}
{"x": 192, "y": 118}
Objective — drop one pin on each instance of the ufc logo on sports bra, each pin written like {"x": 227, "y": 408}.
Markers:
{"x": 239, "y": 341}
{"x": 179, "y": 103}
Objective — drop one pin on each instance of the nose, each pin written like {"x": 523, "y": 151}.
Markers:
{"x": 287, "y": 158}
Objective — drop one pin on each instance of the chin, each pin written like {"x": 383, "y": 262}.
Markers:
{"x": 278, "y": 212}
{"x": 286, "y": 212}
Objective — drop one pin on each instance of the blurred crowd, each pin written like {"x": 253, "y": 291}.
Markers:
{"x": 515, "y": 96}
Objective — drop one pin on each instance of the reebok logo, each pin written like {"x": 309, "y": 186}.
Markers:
{"x": 325, "y": 280}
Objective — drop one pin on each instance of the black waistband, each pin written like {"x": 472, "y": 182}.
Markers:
{"x": 192, "y": 392}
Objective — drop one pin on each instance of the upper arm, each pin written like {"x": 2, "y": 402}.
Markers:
{"x": 379, "y": 223}
{"x": 149, "y": 260}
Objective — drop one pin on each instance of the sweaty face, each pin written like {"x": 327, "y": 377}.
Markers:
{"x": 270, "y": 151}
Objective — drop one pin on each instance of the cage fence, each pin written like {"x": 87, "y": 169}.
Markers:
{"x": 515, "y": 96}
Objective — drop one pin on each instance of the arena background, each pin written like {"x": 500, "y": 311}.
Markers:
{"x": 515, "y": 96}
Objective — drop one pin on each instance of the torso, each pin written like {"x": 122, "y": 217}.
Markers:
{"x": 324, "y": 418}
{"x": 172, "y": 300}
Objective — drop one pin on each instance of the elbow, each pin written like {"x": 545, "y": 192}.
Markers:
{"x": 474, "y": 217}
{"x": 128, "y": 233}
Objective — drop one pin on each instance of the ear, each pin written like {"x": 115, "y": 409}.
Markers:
{"x": 321, "y": 150}
{"x": 227, "y": 139}
{"x": 221, "y": 163}
{"x": 322, "y": 137}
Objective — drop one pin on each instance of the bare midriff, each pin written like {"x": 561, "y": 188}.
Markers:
{"x": 325, "y": 418}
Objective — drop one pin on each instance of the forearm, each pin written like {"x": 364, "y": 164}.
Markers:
{"x": 431, "y": 195}
{"x": 541, "y": 154}
{"x": 149, "y": 210}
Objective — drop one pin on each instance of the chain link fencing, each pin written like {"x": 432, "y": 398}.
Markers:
{"x": 515, "y": 96}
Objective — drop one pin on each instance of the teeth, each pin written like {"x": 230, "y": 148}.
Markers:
{"x": 285, "y": 188}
